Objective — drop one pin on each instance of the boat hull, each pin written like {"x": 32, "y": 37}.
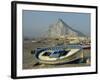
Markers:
{"x": 71, "y": 57}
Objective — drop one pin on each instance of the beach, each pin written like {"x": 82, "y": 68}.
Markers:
{"x": 30, "y": 62}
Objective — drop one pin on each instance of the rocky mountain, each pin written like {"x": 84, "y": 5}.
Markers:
{"x": 60, "y": 28}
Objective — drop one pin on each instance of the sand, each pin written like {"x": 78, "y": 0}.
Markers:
{"x": 29, "y": 61}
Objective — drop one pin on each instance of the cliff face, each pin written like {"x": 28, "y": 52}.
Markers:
{"x": 60, "y": 28}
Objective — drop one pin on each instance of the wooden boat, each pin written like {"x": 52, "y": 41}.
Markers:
{"x": 86, "y": 46}
{"x": 58, "y": 55}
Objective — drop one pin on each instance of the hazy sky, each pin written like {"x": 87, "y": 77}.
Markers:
{"x": 35, "y": 23}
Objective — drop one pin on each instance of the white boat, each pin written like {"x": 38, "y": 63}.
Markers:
{"x": 58, "y": 55}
